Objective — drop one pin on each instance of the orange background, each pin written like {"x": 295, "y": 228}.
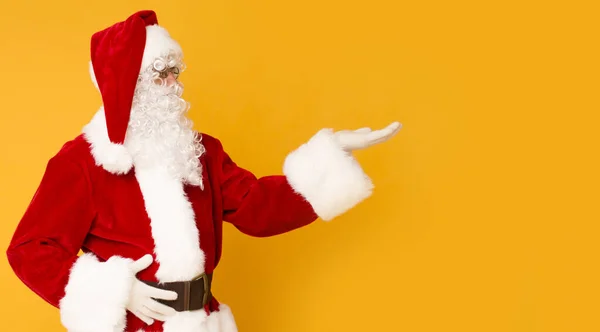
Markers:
{"x": 485, "y": 214}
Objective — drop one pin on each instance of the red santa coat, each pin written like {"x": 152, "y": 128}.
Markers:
{"x": 92, "y": 198}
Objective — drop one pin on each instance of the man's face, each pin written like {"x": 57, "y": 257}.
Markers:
{"x": 168, "y": 76}
{"x": 166, "y": 71}
{"x": 159, "y": 133}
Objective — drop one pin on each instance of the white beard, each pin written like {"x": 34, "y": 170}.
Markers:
{"x": 161, "y": 136}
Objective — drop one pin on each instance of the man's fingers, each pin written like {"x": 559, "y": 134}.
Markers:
{"x": 141, "y": 263}
{"x": 365, "y": 137}
{"x": 395, "y": 126}
{"x": 143, "y": 317}
{"x": 152, "y": 314}
{"x": 378, "y": 135}
{"x": 159, "y": 308}
{"x": 384, "y": 134}
{"x": 158, "y": 293}
{"x": 363, "y": 130}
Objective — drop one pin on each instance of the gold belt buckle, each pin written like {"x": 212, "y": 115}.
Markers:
{"x": 204, "y": 276}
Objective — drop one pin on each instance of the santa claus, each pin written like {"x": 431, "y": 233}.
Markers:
{"x": 144, "y": 196}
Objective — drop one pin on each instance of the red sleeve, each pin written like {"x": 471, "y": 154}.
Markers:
{"x": 91, "y": 294}
{"x": 320, "y": 179}
{"x": 48, "y": 238}
{"x": 260, "y": 207}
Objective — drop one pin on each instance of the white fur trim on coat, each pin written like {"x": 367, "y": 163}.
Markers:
{"x": 173, "y": 224}
{"x": 96, "y": 295}
{"x": 198, "y": 321}
{"x": 225, "y": 319}
{"x": 328, "y": 177}
{"x": 177, "y": 247}
{"x": 176, "y": 238}
{"x": 112, "y": 157}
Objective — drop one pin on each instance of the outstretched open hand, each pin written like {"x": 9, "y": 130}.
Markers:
{"x": 365, "y": 137}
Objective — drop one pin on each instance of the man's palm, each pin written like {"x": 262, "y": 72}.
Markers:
{"x": 362, "y": 138}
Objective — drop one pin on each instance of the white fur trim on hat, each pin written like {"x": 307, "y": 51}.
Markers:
{"x": 111, "y": 156}
{"x": 158, "y": 43}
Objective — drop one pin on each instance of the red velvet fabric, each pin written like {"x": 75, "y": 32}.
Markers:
{"x": 80, "y": 205}
{"x": 117, "y": 53}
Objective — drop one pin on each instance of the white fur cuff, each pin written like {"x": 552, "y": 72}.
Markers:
{"x": 96, "y": 295}
{"x": 328, "y": 177}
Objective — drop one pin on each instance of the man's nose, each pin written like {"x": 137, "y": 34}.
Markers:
{"x": 171, "y": 79}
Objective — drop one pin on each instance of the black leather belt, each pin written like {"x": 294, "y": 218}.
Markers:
{"x": 191, "y": 295}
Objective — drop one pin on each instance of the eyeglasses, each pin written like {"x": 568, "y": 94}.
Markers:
{"x": 163, "y": 70}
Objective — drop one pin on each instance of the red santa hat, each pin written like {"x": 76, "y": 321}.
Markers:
{"x": 118, "y": 55}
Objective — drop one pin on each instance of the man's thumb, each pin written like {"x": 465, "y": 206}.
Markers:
{"x": 141, "y": 263}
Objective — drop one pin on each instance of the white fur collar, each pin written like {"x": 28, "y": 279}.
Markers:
{"x": 114, "y": 158}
